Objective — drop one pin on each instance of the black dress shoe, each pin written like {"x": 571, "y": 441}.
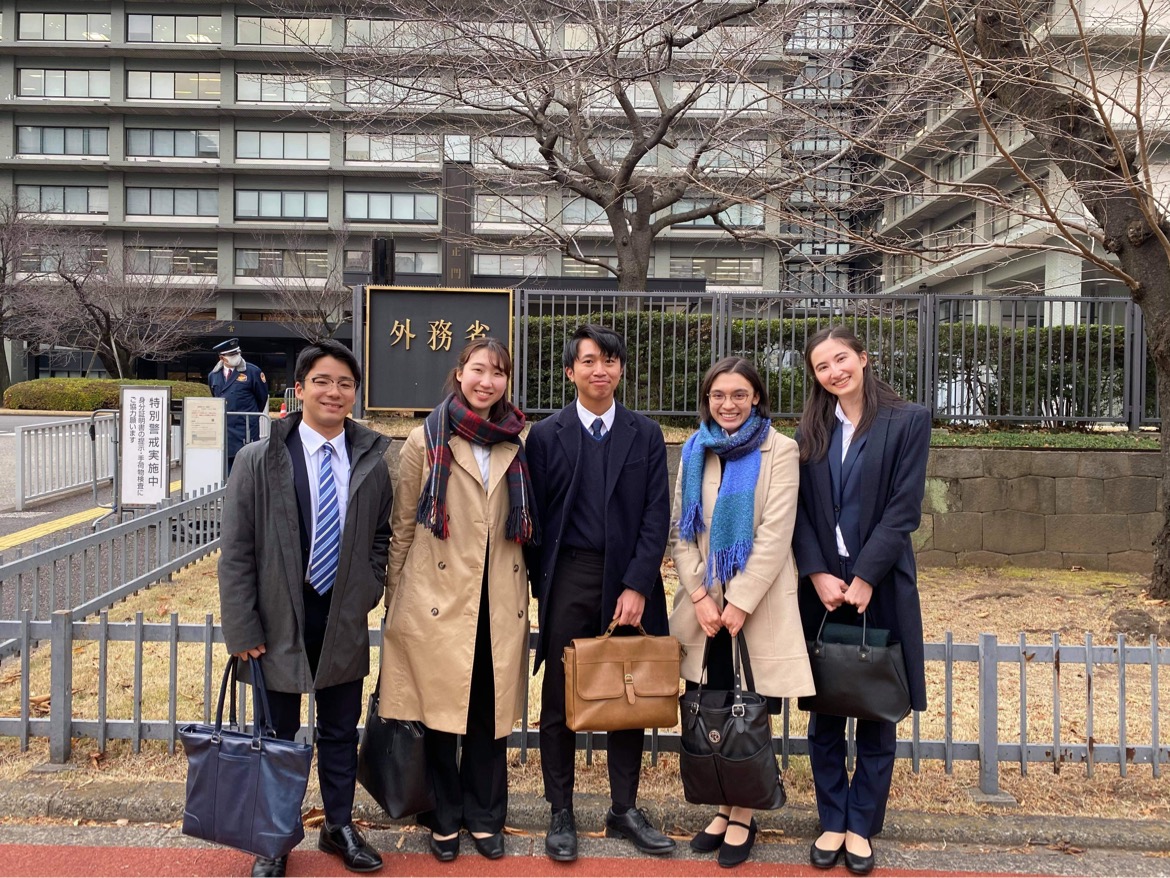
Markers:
{"x": 859, "y": 865}
{"x": 491, "y": 847}
{"x": 445, "y": 849}
{"x": 824, "y": 859}
{"x": 347, "y": 843}
{"x": 264, "y": 867}
{"x": 634, "y": 826}
{"x": 706, "y": 842}
{"x": 561, "y": 842}
{"x": 734, "y": 854}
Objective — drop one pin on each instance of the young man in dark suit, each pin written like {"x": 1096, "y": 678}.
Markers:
{"x": 600, "y": 483}
{"x": 301, "y": 606}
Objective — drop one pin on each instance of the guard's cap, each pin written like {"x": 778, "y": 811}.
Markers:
{"x": 231, "y": 346}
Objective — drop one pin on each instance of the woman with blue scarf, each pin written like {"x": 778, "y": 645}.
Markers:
{"x": 732, "y": 546}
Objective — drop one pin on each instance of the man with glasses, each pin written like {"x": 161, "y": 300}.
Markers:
{"x": 245, "y": 388}
{"x": 303, "y": 613}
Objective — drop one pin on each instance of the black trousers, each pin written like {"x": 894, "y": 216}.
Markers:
{"x": 857, "y": 805}
{"x": 574, "y": 612}
{"x": 339, "y": 708}
{"x": 471, "y": 789}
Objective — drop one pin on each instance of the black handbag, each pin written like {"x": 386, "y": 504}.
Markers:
{"x": 726, "y": 755}
{"x": 245, "y": 789}
{"x": 392, "y": 762}
{"x": 857, "y": 678}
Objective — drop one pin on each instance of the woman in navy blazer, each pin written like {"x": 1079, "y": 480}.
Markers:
{"x": 863, "y": 457}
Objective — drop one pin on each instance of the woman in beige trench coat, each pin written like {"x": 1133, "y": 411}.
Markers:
{"x": 735, "y": 504}
{"x": 455, "y": 642}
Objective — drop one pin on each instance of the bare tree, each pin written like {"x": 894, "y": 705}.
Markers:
{"x": 305, "y": 281}
{"x": 21, "y": 235}
{"x": 594, "y": 127}
{"x": 80, "y": 302}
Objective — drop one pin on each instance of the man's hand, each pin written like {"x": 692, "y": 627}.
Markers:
{"x": 630, "y": 605}
{"x": 830, "y": 589}
{"x": 254, "y": 652}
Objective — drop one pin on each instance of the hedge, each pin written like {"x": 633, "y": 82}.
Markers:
{"x": 85, "y": 394}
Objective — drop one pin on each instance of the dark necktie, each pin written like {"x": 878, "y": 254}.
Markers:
{"x": 596, "y": 427}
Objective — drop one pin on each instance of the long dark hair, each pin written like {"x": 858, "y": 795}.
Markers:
{"x": 734, "y": 366}
{"x": 500, "y": 357}
{"x": 819, "y": 417}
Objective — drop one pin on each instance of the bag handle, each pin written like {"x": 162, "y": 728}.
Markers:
{"x": 229, "y": 674}
{"x": 739, "y": 655}
{"x": 614, "y": 624}
{"x": 863, "y": 651}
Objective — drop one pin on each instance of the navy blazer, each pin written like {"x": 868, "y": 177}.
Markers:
{"x": 891, "y": 483}
{"x": 637, "y": 511}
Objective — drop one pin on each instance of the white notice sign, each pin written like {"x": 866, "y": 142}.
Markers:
{"x": 144, "y": 451}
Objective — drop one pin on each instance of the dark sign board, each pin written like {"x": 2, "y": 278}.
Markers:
{"x": 414, "y": 336}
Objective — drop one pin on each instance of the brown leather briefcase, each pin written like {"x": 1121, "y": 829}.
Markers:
{"x": 614, "y": 683}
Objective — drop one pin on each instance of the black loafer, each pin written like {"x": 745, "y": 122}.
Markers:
{"x": 445, "y": 849}
{"x": 264, "y": 867}
{"x": 634, "y": 826}
{"x": 706, "y": 842}
{"x": 733, "y": 854}
{"x": 347, "y": 843}
{"x": 561, "y": 842}
{"x": 491, "y": 847}
{"x": 824, "y": 859}
{"x": 860, "y": 865}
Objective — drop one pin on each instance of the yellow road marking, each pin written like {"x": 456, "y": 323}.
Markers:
{"x": 29, "y": 534}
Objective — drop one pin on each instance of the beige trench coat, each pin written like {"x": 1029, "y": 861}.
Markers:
{"x": 433, "y": 590}
{"x": 765, "y": 589}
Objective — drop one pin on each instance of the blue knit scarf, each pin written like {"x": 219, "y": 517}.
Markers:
{"x": 733, "y": 520}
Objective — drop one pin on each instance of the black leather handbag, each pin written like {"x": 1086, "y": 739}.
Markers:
{"x": 856, "y": 677}
{"x": 245, "y": 789}
{"x": 726, "y": 755}
{"x": 392, "y": 762}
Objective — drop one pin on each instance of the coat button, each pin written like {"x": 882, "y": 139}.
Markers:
{"x": 442, "y": 565}
{"x": 519, "y": 614}
{"x": 515, "y": 568}
{"x": 434, "y": 611}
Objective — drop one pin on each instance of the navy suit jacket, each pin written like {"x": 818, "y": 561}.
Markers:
{"x": 891, "y": 483}
{"x": 637, "y": 511}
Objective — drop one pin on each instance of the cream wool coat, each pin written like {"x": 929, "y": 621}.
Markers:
{"x": 765, "y": 589}
{"x": 433, "y": 590}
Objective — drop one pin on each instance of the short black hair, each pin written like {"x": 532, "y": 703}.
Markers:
{"x": 610, "y": 343}
{"x": 326, "y": 347}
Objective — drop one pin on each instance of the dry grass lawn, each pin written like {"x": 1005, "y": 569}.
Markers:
{"x": 964, "y": 602}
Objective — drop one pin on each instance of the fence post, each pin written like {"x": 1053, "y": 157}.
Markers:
{"x": 988, "y": 715}
{"x": 61, "y": 687}
{"x": 19, "y": 440}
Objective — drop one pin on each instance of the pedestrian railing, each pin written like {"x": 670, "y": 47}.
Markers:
{"x": 1088, "y": 692}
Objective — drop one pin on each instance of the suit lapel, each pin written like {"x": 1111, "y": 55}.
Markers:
{"x": 463, "y": 456}
{"x": 503, "y": 453}
{"x": 296, "y": 453}
{"x": 871, "y": 470}
{"x": 621, "y": 438}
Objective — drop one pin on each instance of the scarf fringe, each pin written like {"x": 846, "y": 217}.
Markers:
{"x": 432, "y": 515}
{"x": 731, "y": 560}
{"x": 520, "y": 527}
{"x": 690, "y": 523}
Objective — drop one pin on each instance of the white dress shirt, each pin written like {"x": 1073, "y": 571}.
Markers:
{"x": 312, "y": 442}
{"x": 483, "y": 456}
{"x": 587, "y": 418}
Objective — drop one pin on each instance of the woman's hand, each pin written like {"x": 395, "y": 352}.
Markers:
{"x": 733, "y": 618}
{"x": 707, "y": 612}
{"x": 830, "y": 589}
{"x": 859, "y": 594}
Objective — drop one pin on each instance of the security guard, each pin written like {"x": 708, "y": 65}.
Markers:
{"x": 246, "y": 390}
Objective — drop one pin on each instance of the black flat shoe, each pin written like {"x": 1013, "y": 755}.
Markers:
{"x": 266, "y": 867}
{"x": 860, "y": 865}
{"x": 733, "y": 854}
{"x": 492, "y": 846}
{"x": 446, "y": 849}
{"x": 824, "y": 859}
{"x": 706, "y": 842}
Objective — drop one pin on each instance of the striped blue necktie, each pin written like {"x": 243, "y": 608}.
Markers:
{"x": 327, "y": 537}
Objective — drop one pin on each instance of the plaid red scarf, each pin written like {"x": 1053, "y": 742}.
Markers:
{"x": 452, "y": 416}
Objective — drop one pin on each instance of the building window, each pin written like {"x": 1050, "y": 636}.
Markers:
{"x": 415, "y": 93}
{"x": 275, "y": 204}
{"x": 282, "y": 88}
{"x": 572, "y": 268}
{"x": 960, "y": 163}
{"x": 174, "y": 29}
{"x": 392, "y": 207}
{"x": 722, "y": 95}
{"x": 172, "y": 260}
{"x": 391, "y": 33}
{"x": 418, "y": 148}
{"x": 737, "y": 215}
{"x": 37, "y": 140}
{"x": 63, "y": 199}
{"x": 282, "y": 263}
{"x": 492, "y": 208}
{"x": 405, "y": 261}
{"x": 497, "y": 150}
{"x": 167, "y": 86}
{"x": 727, "y": 271}
{"x": 312, "y": 145}
{"x": 172, "y": 143}
{"x": 65, "y": 27}
{"x": 509, "y": 264}
{"x": 171, "y": 202}
{"x": 37, "y": 261}
{"x": 64, "y": 83}
{"x": 255, "y": 31}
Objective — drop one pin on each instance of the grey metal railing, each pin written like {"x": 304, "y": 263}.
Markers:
{"x": 1135, "y": 668}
